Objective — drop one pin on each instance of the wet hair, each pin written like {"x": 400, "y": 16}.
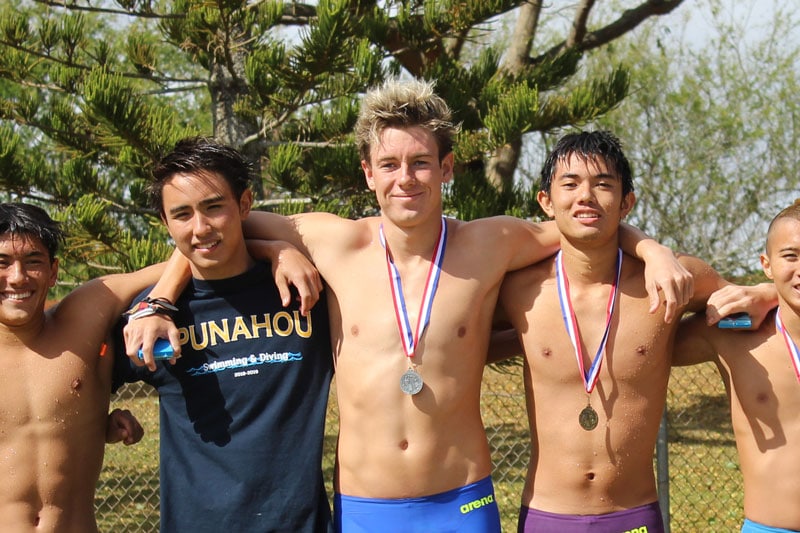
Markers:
{"x": 404, "y": 104}
{"x": 588, "y": 145}
{"x": 30, "y": 221}
{"x": 791, "y": 212}
{"x": 201, "y": 155}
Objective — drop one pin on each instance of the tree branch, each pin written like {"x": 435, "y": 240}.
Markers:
{"x": 626, "y": 22}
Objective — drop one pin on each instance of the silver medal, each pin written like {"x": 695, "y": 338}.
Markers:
{"x": 410, "y": 382}
{"x": 588, "y": 418}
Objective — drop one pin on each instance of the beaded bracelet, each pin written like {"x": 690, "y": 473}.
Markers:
{"x": 151, "y": 306}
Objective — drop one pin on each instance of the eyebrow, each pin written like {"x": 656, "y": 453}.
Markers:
{"x": 203, "y": 203}
{"x": 789, "y": 249}
{"x": 32, "y": 253}
{"x": 600, "y": 175}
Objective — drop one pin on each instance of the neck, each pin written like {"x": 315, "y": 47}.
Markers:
{"x": 22, "y": 334}
{"x": 589, "y": 265}
{"x": 412, "y": 241}
{"x": 790, "y": 320}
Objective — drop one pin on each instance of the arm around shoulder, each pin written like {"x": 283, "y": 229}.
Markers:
{"x": 109, "y": 296}
{"x": 525, "y": 242}
{"x": 694, "y": 341}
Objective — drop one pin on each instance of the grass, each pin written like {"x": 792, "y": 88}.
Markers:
{"x": 705, "y": 488}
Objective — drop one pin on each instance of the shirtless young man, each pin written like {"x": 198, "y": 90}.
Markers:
{"x": 55, "y": 386}
{"x": 761, "y": 371}
{"x": 412, "y": 451}
{"x": 592, "y": 440}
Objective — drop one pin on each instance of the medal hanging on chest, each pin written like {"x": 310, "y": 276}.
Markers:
{"x": 790, "y": 344}
{"x": 411, "y": 382}
{"x": 588, "y": 416}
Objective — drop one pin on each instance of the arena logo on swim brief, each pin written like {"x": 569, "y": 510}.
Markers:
{"x": 477, "y": 504}
{"x": 642, "y": 529}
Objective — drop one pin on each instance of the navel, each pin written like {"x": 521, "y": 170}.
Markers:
{"x": 641, "y": 349}
{"x": 590, "y": 476}
{"x": 547, "y": 352}
{"x": 76, "y": 384}
{"x": 354, "y": 331}
{"x": 762, "y": 397}
{"x": 404, "y": 444}
{"x": 462, "y": 331}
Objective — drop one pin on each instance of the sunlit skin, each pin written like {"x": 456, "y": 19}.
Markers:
{"x": 26, "y": 275}
{"x": 205, "y": 220}
{"x": 610, "y": 468}
{"x": 763, "y": 389}
{"x": 393, "y": 445}
{"x": 55, "y": 389}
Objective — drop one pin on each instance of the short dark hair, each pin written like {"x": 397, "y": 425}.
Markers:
{"x": 25, "y": 220}
{"x": 790, "y": 212}
{"x": 197, "y": 155}
{"x": 588, "y": 144}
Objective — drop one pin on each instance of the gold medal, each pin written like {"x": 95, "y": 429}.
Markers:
{"x": 588, "y": 418}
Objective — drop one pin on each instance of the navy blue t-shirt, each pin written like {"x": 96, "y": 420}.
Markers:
{"x": 242, "y": 412}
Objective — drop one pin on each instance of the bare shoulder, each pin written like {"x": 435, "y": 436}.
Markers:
{"x": 91, "y": 301}
{"x": 327, "y": 235}
{"x": 497, "y": 228}
{"x": 521, "y": 286}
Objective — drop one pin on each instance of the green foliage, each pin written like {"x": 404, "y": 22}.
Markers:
{"x": 712, "y": 135}
{"x": 94, "y": 93}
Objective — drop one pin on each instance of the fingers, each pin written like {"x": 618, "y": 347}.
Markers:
{"x": 141, "y": 335}
{"x": 284, "y": 290}
{"x": 124, "y": 427}
{"x": 309, "y": 292}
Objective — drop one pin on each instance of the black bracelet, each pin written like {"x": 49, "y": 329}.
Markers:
{"x": 151, "y": 306}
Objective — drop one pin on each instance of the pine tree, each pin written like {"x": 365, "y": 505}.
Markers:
{"x": 94, "y": 92}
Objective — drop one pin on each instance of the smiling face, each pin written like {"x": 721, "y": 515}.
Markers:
{"x": 205, "y": 220}
{"x": 781, "y": 262}
{"x": 26, "y": 275}
{"x": 406, "y": 175}
{"x": 586, "y": 199}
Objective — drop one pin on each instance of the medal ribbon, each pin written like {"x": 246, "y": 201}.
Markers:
{"x": 793, "y": 351}
{"x": 408, "y": 337}
{"x": 570, "y": 322}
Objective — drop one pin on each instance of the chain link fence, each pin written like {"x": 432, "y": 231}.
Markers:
{"x": 704, "y": 480}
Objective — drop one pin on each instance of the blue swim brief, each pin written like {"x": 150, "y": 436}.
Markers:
{"x": 754, "y": 527}
{"x": 644, "y": 519}
{"x": 469, "y": 509}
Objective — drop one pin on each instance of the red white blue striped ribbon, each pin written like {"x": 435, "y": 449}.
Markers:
{"x": 408, "y": 337}
{"x": 793, "y": 351}
{"x": 570, "y": 322}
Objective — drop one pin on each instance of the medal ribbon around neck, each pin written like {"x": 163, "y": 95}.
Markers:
{"x": 793, "y": 351}
{"x": 408, "y": 337}
{"x": 568, "y": 314}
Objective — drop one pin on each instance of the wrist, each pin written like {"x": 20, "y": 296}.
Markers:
{"x": 651, "y": 250}
{"x": 151, "y": 306}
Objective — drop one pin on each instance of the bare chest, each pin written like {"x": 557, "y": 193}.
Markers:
{"x": 629, "y": 344}
{"x": 374, "y": 302}
{"x": 51, "y": 392}
{"x": 763, "y": 380}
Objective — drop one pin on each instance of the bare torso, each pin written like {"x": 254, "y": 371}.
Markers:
{"x": 609, "y": 468}
{"x": 765, "y": 400}
{"x": 54, "y": 393}
{"x": 392, "y": 445}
